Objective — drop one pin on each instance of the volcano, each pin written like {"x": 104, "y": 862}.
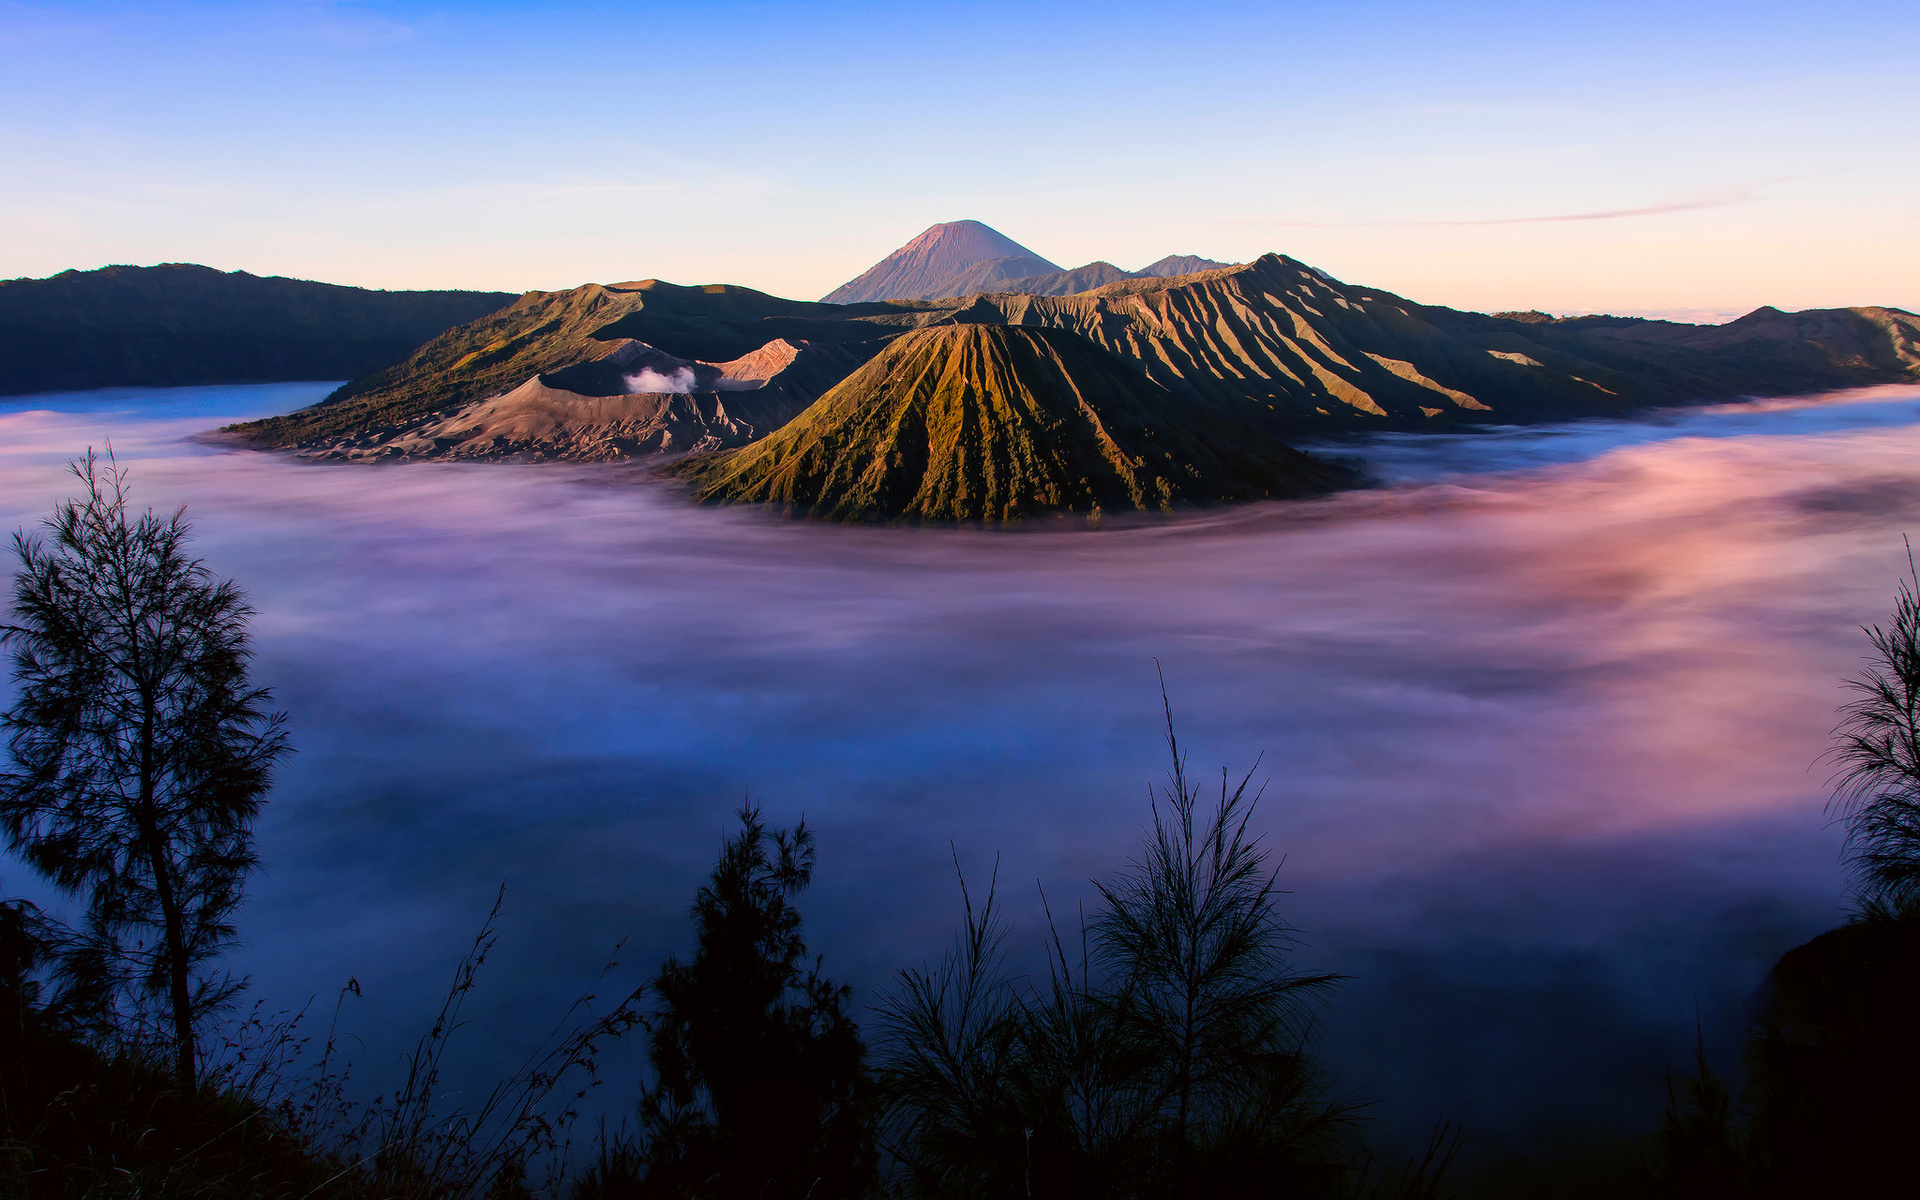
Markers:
{"x": 996, "y": 423}
{"x": 967, "y": 258}
{"x": 954, "y": 259}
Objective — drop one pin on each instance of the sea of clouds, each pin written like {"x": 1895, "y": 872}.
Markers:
{"x": 1540, "y": 717}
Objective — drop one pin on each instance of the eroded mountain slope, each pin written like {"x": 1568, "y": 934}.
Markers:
{"x": 987, "y": 422}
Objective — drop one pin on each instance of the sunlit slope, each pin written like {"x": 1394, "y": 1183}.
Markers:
{"x": 982, "y": 422}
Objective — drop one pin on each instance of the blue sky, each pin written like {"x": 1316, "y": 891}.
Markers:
{"x": 1575, "y": 157}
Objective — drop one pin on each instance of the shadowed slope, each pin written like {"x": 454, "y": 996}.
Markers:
{"x": 978, "y": 422}
{"x": 1062, "y": 283}
{"x": 1080, "y": 279}
{"x": 179, "y": 323}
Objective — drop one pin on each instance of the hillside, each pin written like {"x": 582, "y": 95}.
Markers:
{"x": 181, "y": 324}
{"x": 981, "y": 422}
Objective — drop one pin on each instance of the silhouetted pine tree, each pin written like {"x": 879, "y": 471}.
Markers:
{"x": 141, "y": 752}
{"x": 759, "y": 1075}
{"x": 1878, "y": 790}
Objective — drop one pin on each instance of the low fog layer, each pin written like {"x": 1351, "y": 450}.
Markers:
{"x": 1541, "y": 720}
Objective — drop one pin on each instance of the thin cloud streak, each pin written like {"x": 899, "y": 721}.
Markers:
{"x": 1614, "y": 214}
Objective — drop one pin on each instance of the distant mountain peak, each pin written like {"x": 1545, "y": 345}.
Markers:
{"x": 931, "y": 265}
{"x": 1180, "y": 264}
{"x": 964, "y": 258}
{"x": 961, "y": 244}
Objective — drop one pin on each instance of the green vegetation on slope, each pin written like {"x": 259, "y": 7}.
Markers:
{"x": 987, "y": 422}
{"x": 180, "y": 324}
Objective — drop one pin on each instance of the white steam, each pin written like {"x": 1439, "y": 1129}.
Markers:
{"x": 649, "y": 380}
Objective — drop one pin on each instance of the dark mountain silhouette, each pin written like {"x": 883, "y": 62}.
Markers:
{"x": 178, "y": 324}
{"x": 972, "y": 422}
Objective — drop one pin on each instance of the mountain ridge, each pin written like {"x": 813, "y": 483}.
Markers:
{"x": 1273, "y": 345}
{"x": 929, "y": 266}
{"x": 182, "y": 323}
{"x": 962, "y": 258}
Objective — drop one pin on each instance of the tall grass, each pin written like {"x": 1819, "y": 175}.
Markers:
{"x": 407, "y": 1143}
{"x": 273, "y": 1116}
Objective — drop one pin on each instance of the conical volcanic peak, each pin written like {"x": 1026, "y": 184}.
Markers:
{"x": 947, "y": 260}
{"x": 996, "y": 423}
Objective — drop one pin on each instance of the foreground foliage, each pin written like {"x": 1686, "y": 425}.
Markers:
{"x": 1830, "y": 1106}
{"x": 759, "y": 1087}
{"x": 141, "y": 756}
{"x": 1167, "y": 1057}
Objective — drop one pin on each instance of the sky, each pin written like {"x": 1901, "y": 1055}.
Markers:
{"x": 1682, "y": 159}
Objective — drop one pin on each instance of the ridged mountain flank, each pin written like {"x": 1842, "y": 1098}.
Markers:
{"x": 991, "y": 423}
{"x": 1277, "y": 344}
{"x": 953, "y": 259}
